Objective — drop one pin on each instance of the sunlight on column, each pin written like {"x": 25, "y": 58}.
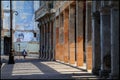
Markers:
{"x": 24, "y": 69}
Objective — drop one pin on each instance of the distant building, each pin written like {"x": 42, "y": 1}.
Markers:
{"x": 78, "y": 32}
{"x": 5, "y": 34}
{"x": 25, "y": 31}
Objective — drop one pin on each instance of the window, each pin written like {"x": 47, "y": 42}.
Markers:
{"x": 34, "y": 34}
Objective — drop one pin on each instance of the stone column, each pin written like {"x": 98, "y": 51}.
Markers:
{"x": 49, "y": 40}
{"x": 59, "y": 49}
{"x": 79, "y": 32}
{"x": 57, "y": 39}
{"x": 88, "y": 35}
{"x": 42, "y": 30}
{"x": 46, "y": 25}
{"x": 96, "y": 37}
{"x": 44, "y": 41}
{"x": 72, "y": 33}
{"x": 105, "y": 39}
{"x": 41, "y": 41}
{"x": 39, "y": 26}
{"x": 114, "y": 40}
{"x": 61, "y": 36}
{"x": 52, "y": 41}
{"x": 54, "y": 36}
{"x": 66, "y": 20}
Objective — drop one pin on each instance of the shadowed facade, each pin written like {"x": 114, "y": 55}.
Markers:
{"x": 78, "y": 32}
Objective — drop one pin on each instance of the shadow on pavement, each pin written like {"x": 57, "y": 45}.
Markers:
{"x": 72, "y": 66}
{"x": 7, "y": 69}
{"x": 47, "y": 72}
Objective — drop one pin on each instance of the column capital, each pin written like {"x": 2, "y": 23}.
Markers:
{"x": 52, "y": 17}
{"x": 45, "y": 20}
{"x": 42, "y": 22}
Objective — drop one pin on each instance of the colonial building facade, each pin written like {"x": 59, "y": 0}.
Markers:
{"x": 78, "y": 32}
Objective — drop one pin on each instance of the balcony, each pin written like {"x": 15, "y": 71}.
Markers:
{"x": 43, "y": 10}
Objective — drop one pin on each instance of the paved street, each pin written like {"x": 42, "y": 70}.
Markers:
{"x": 33, "y": 68}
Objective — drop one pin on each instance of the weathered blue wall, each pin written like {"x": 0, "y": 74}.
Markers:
{"x": 24, "y": 25}
{"x": 24, "y": 20}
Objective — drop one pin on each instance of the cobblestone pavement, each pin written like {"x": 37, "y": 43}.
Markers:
{"x": 33, "y": 68}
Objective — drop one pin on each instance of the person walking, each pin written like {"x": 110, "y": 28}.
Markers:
{"x": 24, "y": 53}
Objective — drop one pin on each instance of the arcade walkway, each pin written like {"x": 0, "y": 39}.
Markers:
{"x": 32, "y": 68}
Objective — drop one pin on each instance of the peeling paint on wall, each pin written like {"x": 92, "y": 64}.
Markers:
{"x": 24, "y": 20}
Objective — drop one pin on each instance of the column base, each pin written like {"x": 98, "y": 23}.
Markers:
{"x": 95, "y": 71}
{"x": 43, "y": 54}
{"x": 52, "y": 58}
{"x": 46, "y": 54}
{"x": 104, "y": 73}
{"x": 113, "y": 76}
{"x": 49, "y": 54}
{"x": 11, "y": 60}
{"x": 40, "y": 54}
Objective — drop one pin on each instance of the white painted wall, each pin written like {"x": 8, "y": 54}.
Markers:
{"x": 29, "y": 47}
{"x": 33, "y": 47}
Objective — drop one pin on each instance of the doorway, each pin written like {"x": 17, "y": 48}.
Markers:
{"x": 6, "y": 45}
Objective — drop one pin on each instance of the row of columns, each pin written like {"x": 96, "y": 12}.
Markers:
{"x": 88, "y": 35}
{"x": 105, "y": 38}
{"x": 115, "y": 40}
{"x": 96, "y": 38}
{"x": 46, "y": 39}
{"x": 70, "y": 35}
{"x": 97, "y": 26}
{"x": 85, "y": 30}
